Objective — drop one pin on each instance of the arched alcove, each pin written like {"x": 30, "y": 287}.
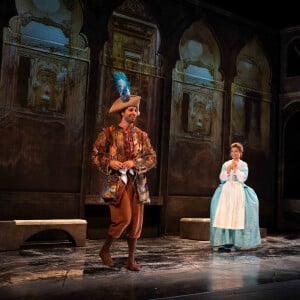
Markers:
{"x": 196, "y": 113}
{"x": 251, "y": 98}
{"x": 45, "y": 63}
{"x": 251, "y": 110}
{"x": 132, "y": 47}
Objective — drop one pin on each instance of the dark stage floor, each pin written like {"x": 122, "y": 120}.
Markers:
{"x": 172, "y": 268}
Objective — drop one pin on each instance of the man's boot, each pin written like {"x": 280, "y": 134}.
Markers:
{"x": 104, "y": 252}
{"x": 131, "y": 264}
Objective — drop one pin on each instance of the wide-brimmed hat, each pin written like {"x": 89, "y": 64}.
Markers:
{"x": 119, "y": 104}
{"x": 125, "y": 99}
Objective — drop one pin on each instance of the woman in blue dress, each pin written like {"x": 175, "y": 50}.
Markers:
{"x": 234, "y": 209}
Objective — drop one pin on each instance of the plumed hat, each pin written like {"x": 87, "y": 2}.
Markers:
{"x": 125, "y": 99}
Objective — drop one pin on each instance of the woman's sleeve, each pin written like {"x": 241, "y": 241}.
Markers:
{"x": 100, "y": 155}
{"x": 224, "y": 176}
{"x": 242, "y": 172}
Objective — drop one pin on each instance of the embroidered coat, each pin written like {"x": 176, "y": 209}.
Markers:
{"x": 115, "y": 143}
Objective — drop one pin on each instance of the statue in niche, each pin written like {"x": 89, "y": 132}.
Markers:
{"x": 46, "y": 87}
{"x": 199, "y": 114}
{"x": 45, "y": 93}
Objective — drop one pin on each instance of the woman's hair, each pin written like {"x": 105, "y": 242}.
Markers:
{"x": 237, "y": 145}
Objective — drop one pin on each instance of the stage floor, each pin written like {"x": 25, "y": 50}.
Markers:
{"x": 172, "y": 268}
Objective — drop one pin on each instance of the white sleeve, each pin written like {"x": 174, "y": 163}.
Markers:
{"x": 224, "y": 176}
{"x": 242, "y": 172}
{"x": 240, "y": 176}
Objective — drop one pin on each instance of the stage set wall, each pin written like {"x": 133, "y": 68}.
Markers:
{"x": 207, "y": 78}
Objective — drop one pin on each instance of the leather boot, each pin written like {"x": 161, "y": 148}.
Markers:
{"x": 104, "y": 252}
{"x": 131, "y": 263}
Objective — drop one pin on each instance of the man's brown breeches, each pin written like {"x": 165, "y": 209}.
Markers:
{"x": 128, "y": 216}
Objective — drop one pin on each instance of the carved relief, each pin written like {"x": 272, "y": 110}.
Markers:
{"x": 46, "y": 86}
{"x": 199, "y": 114}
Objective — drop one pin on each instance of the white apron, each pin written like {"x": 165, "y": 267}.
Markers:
{"x": 230, "y": 213}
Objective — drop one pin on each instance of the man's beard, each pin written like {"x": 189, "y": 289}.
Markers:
{"x": 131, "y": 120}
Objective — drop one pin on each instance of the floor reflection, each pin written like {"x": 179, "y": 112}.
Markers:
{"x": 170, "y": 267}
{"x": 226, "y": 271}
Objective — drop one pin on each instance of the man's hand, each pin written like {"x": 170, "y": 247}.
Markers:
{"x": 115, "y": 164}
{"x": 129, "y": 164}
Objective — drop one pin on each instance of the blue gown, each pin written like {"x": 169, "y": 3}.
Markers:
{"x": 246, "y": 238}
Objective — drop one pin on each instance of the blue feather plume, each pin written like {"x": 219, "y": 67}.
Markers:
{"x": 122, "y": 85}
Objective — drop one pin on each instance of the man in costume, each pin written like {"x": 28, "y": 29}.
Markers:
{"x": 124, "y": 154}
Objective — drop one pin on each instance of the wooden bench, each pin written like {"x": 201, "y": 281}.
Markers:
{"x": 199, "y": 229}
{"x": 14, "y": 233}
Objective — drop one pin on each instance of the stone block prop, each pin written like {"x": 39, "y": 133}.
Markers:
{"x": 199, "y": 229}
{"x": 14, "y": 233}
{"x": 195, "y": 228}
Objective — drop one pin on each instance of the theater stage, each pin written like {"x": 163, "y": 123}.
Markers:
{"x": 172, "y": 268}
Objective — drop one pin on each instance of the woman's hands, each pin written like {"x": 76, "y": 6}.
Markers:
{"x": 233, "y": 166}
